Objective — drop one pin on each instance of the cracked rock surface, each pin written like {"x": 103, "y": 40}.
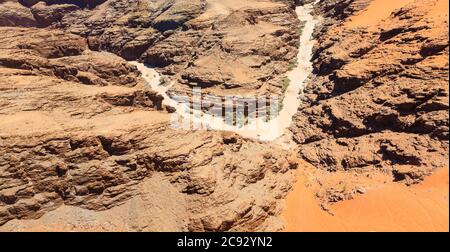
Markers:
{"x": 379, "y": 99}
{"x": 86, "y": 145}
{"x": 82, "y": 136}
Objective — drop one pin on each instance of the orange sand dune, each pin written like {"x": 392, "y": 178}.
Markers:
{"x": 377, "y": 11}
{"x": 392, "y": 207}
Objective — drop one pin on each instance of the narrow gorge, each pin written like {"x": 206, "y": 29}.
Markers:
{"x": 262, "y": 128}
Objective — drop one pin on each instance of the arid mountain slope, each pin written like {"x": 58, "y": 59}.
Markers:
{"x": 375, "y": 120}
{"x": 245, "y": 46}
{"x": 379, "y": 99}
{"x": 83, "y": 139}
{"x": 79, "y": 128}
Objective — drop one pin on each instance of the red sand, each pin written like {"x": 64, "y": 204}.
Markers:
{"x": 392, "y": 207}
{"x": 376, "y": 12}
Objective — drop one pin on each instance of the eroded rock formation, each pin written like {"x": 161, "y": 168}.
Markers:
{"x": 83, "y": 140}
{"x": 79, "y": 127}
{"x": 379, "y": 99}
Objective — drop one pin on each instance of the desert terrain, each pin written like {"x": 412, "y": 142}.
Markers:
{"x": 357, "y": 140}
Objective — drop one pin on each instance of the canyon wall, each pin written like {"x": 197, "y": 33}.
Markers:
{"x": 82, "y": 135}
{"x": 85, "y": 144}
{"x": 379, "y": 96}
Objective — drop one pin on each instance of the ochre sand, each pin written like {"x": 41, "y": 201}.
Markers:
{"x": 379, "y": 10}
{"x": 376, "y": 12}
{"x": 390, "y": 207}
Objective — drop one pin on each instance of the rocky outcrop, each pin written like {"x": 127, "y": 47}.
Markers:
{"x": 195, "y": 42}
{"x": 81, "y": 130}
{"x": 99, "y": 171}
{"x": 14, "y": 14}
{"x": 46, "y": 15}
{"x": 83, "y": 135}
{"x": 379, "y": 99}
{"x": 226, "y": 48}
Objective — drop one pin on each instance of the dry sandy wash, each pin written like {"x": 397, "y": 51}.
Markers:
{"x": 86, "y": 144}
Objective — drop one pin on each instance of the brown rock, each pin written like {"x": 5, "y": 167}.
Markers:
{"x": 14, "y": 14}
{"x": 377, "y": 101}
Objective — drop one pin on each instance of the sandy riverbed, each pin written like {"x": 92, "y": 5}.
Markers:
{"x": 258, "y": 128}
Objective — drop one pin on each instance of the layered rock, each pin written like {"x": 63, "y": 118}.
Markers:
{"x": 232, "y": 186}
{"x": 82, "y": 134}
{"x": 380, "y": 96}
{"x": 196, "y": 42}
{"x": 13, "y": 13}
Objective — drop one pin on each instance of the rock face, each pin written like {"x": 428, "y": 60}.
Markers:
{"x": 222, "y": 186}
{"x": 84, "y": 140}
{"x": 379, "y": 99}
{"x": 83, "y": 135}
{"x": 243, "y": 46}
{"x": 14, "y": 14}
